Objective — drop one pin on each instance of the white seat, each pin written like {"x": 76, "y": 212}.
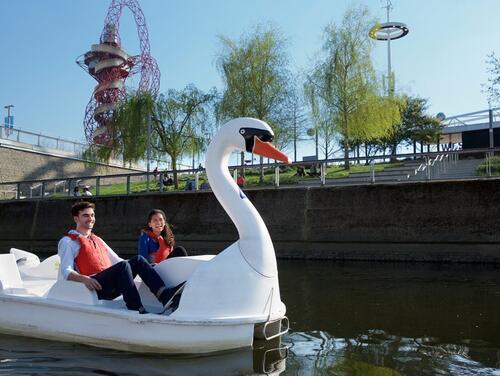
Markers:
{"x": 9, "y": 273}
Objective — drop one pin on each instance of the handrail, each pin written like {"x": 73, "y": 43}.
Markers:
{"x": 25, "y": 188}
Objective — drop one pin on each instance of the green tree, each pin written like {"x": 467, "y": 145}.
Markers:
{"x": 180, "y": 123}
{"x": 254, "y": 71}
{"x": 344, "y": 92}
{"x": 416, "y": 125}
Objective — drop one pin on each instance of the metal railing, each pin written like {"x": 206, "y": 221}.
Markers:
{"x": 41, "y": 140}
{"x": 454, "y": 164}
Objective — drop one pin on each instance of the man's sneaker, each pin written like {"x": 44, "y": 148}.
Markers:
{"x": 167, "y": 297}
{"x": 142, "y": 310}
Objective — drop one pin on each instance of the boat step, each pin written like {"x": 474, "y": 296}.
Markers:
{"x": 272, "y": 329}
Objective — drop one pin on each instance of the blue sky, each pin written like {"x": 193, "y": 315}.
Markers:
{"x": 442, "y": 58}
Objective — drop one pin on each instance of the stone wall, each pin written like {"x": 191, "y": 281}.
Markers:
{"x": 18, "y": 165}
{"x": 435, "y": 221}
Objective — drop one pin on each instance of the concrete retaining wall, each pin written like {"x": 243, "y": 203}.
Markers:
{"x": 18, "y": 165}
{"x": 438, "y": 221}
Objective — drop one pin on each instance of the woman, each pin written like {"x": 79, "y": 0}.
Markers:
{"x": 157, "y": 242}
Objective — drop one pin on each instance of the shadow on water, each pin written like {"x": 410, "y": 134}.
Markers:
{"x": 373, "y": 319}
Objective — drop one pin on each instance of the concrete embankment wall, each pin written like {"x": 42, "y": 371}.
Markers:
{"x": 17, "y": 165}
{"x": 438, "y": 221}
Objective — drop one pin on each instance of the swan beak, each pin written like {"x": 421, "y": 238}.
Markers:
{"x": 266, "y": 149}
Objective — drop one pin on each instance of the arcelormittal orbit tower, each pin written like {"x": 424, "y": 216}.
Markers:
{"x": 111, "y": 66}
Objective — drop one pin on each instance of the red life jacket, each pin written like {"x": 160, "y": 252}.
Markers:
{"x": 93, "y": 256}
{"x": 163, "y": 250}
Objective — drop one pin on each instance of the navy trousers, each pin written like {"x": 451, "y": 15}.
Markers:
{"x": 119, "y": 280}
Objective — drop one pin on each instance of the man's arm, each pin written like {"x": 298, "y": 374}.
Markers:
{"x": 89, "y": 282}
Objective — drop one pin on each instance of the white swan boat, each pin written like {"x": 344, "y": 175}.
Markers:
{"x": 229, "y": 299}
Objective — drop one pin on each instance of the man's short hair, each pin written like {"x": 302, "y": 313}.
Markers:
{"x": 79, "y": 206}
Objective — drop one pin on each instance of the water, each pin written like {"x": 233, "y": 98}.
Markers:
{"x": 346, "y": 318}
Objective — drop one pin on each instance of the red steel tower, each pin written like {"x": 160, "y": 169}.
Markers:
{"x": 111, "y": 66}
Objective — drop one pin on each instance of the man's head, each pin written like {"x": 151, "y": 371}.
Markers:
{"x": 83, "y": 215}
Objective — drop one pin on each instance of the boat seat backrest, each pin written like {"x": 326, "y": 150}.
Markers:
{"x": 9, "y": 273}
{"x": 74, "y": 292}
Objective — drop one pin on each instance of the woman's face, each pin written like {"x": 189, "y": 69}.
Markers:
{"x": 157, "y": 223}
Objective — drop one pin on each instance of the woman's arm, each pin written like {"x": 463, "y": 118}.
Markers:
{"x": 143, "y": 246}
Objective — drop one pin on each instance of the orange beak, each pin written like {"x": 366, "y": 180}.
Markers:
{"x": 266, "y": 149}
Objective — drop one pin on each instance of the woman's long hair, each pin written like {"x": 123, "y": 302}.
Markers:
{"x": 166, "y": 233}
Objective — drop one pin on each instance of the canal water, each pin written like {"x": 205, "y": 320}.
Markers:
{"x": 346, "y": 318}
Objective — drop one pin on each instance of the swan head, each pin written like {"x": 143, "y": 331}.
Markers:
{"x": 253, "y": 136}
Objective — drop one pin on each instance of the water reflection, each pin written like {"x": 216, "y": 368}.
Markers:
{"x": 378, "y": 353}
{"x": 21, "y": 356}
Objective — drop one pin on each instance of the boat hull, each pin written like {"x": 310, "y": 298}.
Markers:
{"x": 118, "y": 329}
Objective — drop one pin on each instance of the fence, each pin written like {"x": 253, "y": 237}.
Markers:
{"x": 453, "y": 164}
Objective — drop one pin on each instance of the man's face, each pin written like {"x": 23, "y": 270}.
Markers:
{"x": 85, "y": 219}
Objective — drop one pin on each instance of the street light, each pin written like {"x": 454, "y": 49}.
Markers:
{"x": 314, "y": 132}
{"x": 8, "y": 123}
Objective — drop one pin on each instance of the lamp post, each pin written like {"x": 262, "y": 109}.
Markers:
{"x": 388, "y": 31}
{"x": 8, "y": 122}
{"x": 314, "y": 132}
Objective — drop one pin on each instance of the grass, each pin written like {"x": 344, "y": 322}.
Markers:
{"x": 495, "y": 167}
{"x": 288, "y": 176}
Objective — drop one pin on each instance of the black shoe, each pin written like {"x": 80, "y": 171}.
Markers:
{"x": 167, "y": 297}
{"x": 142, "y": 311}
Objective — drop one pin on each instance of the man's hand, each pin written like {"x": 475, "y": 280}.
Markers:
{"x": 91, "y": 283}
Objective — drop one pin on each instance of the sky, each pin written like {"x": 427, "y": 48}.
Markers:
{"x": 443, "y": 58}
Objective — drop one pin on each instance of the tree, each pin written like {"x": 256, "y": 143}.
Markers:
{"x": 493, "y": 87}
{"x": 419, "y": 126}
{"x": 180, "y": 122}
{"x": 255, "y": 76}
{"x": 126, "y": 130}
{"x": 344, "y": 93}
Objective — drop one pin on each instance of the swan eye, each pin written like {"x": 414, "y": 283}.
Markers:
{"x": 242, "y": 131}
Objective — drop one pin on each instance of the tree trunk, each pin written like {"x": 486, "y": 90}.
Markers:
{"x": 347, "y": 166}
{"x": 174, "y": 167}
{"x": 394, "y": 148}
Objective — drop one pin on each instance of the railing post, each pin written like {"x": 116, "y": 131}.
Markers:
{"x": 69, "y": 187}
{"x": 128, "y": 184}
{"x": 97, "y": 185}
{"x": 427, "y": 168}
{"x": 18, "y": 191}
{"x": 277, "y": 176}
{"x": 147, "y": 181}
{"x": 372, "y": 171}
{"x": 322, "y": 170}
{"x": 18, "y": 136}
{"x": 196, "y": 181}
{"x": 38, "y": 140}
{"x": 161, "y": 181}
{"x": 488, "y": 164}
{"x": 43, "y": 189}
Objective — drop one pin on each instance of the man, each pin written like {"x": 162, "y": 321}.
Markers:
{"x": 87, "y": 259}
